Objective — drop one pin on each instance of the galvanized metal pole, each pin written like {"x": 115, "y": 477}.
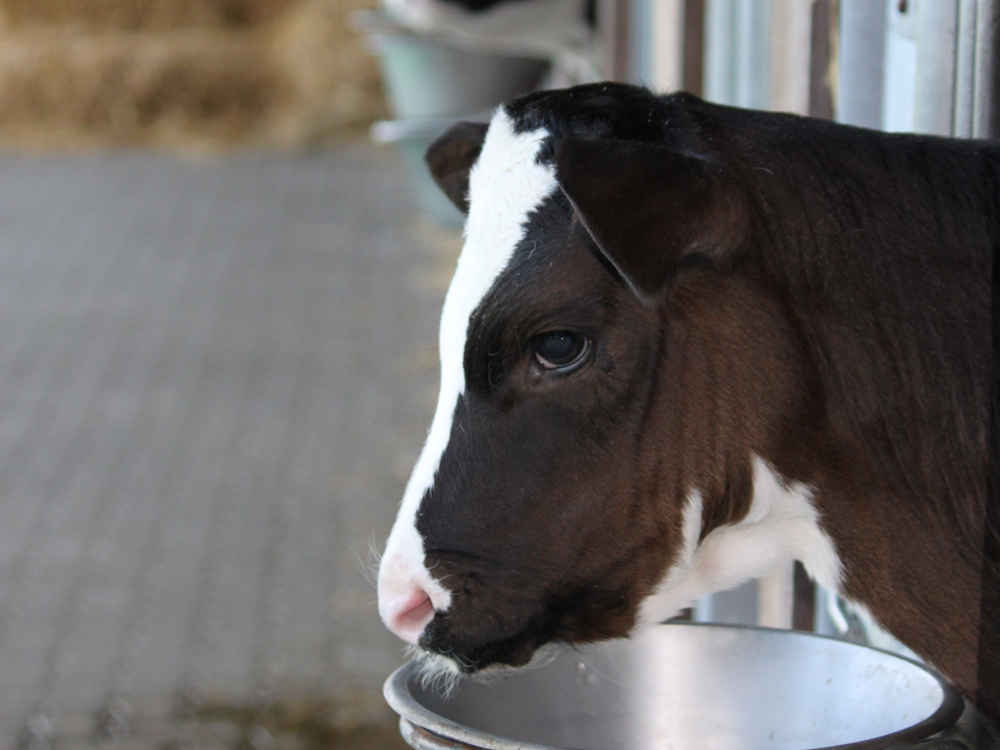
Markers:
{"x": 986, "y": 71}
{"x": 860, "y": 57}
{"x": 936, "y": 84}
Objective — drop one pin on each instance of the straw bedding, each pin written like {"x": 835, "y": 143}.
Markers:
{"x": 190, "y": 75}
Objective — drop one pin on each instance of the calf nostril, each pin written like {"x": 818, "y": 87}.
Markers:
{"x": 415, "y": 614}
{"x": 409, "y": 616}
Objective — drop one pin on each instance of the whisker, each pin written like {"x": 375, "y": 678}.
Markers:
{"x": 436, "y": 672}
{"x": 369, "y": 561}
{"x": 542, "y": 658}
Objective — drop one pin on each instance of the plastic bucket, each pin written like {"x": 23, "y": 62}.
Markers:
{"x": 427, "y": 76}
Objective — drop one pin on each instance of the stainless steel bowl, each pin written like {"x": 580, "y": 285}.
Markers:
{"x": 709, "y": 687}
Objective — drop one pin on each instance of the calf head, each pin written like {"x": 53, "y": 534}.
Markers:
{"x": 606, "y": 382}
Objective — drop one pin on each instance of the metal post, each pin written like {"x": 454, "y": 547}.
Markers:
{"x": 936, "y": 85}
{"x": 737, "y": 60}
{"x": 860, "y": 55}
{"x": 986, "y": 71}
{"x": 667, "y": 33}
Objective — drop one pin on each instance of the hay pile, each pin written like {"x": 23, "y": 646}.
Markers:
{"x": 142, "y": 15}
{"x": 190, "y": 75}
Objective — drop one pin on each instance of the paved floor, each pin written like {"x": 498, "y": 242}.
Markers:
{"x": 213, "y": 381}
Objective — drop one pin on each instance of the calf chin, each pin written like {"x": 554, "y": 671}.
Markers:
{"x": 513, "y": 651}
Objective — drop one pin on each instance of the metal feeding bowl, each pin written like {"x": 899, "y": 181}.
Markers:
{"x": 687, "y": 686}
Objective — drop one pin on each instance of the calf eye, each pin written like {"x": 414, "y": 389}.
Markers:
{"x": 561, "y": 351}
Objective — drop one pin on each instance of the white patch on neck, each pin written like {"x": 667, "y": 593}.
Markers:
{"x": 505, "y": 186}
{"x": 782, "y": 525}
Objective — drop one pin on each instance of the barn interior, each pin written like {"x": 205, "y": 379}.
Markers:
{"x": 223, "y": 265}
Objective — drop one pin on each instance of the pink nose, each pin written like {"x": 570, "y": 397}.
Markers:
{"x": 407, "y": 612}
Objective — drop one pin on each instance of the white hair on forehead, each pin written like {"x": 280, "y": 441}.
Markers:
{"x": 506, "y": 185}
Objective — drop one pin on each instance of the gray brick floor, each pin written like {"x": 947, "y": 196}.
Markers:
{"x": 213, "y": 380}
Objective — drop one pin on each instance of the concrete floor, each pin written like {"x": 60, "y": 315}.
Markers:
{"x": 214, "y": 379}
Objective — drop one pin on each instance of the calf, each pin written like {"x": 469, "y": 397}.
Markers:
{"x": 685, "y": 344}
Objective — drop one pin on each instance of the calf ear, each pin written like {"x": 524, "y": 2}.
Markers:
{"x": 650, "y": 207}
{"x": 451, "y": 157}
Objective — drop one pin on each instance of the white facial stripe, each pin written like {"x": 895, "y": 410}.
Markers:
{"x": 505, "y": 186}
{"x": 782, "y": 525}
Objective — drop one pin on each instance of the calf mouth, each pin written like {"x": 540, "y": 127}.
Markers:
{"x": 443, "y": 672}
{"x": 442, "y": 647}
{"x": 495, "y": 629}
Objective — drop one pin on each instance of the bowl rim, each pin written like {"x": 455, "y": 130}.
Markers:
{"x": 397, "y": 694}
